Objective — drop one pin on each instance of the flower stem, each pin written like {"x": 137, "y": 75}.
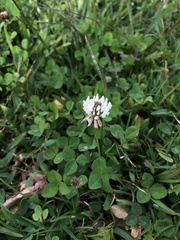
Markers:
{"x": 102, "y": 136}
{"x": 96, "y": 131}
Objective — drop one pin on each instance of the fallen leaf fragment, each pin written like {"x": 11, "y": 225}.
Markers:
{"x": 135, "y": 231}
{"x": 119, "y": 212}
{"x": 38, "y": 187}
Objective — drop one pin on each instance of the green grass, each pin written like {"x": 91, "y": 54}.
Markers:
{"x": 78, "y": 182}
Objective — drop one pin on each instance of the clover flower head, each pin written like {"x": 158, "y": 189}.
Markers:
{"x": 96, "y": 108}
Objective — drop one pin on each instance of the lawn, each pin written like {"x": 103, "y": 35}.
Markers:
{"x": 90, "y": 120}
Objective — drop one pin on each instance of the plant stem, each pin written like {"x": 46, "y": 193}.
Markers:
{"x": 97, "y": 140}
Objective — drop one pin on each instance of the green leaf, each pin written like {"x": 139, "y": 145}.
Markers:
{"x": 100, "y": 175}
{"x": 136, "y": 209}
{"x": 107, "y": 39}
{"x": 105, "y": 182}
{"x": 83, "y": 180}
{"x": 54, "y": 114}
{"x": 105, "y": 233}
{"x": 58, "y": 158}
{"x": 120, "y": 232}
{"x": 131, "y": 132}
{"x": 143, "y": 197}
{"x": 54, "y": 177}
{"x": 64, "y": 189}
{"x": 83, "y": 147}
{"x": 70, "y": 168}
{"x": 123, "y": 84}
{"x": 161, "y": 112}
{"x": 62, "y": 142}
{"x": 147, "y": 180}
{"x": 69, "y": 105}
{"x": 37, "y": 213}
{"x": 73, "y": 131}
{"x": 49, "y": 154}
{"x": 131, "y": 220}
{"x": 164, "y": 227}
{"x": 12, "y": 8}
{"x": 15, "y": 142}
{"x": 136, "y": 93}
{"x": 9, "y": 232}
{"x": 56, "y": 80}
{"x": 117, "y": 131}
{"x": 74, "y": 142}
{"x": 50, "y": 190}
{"x": 68, "y": 154}
{"x": 175, "y": 189}
{"x": 82, "y": 159}
{"x": 45, "y": 213}
{"x": 176, "y": 149}
{"x": 161, "y": 206}
{"x": 166, "y": 157}
{"x": 94, "y": 181}
{"x": 158, "y": 191}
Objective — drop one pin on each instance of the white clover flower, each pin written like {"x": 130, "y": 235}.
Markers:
{"x": 96, "y": 109}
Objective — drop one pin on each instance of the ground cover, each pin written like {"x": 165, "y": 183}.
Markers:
{"x": 89, "y": 120}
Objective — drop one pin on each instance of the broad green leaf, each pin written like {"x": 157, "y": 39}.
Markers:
{"x": 12, "y": 8}
{"x": 136, "y": 93}
{"x": 37, "y": 213}
{"x": 83, "y": 147}
{"x": 83, "y": 180}
{"x": 94, "y": 181}
{"x": 100, "y": 175}
{"x": 176, "y": 149}
{"x": 165, "y": 227}
{"x": 45, "y": 213}
{"x": 62, "y": 142}
{"x": 147, "y": 180}
{"x": 105, "y": 233}
{"x": 73, "y": 131}
{"x": 131, "y": 220}
{"x": 82, "y": 159}
{"x": 158, "y": 191}
{"x": 164, "y": 128}
{"x": 25, "y": 43}
{"x": 136, "y": 209}
{"x": 105, "y": 182}
{"x": 50, "y": 190}
{"x": 131, "y": 132}
{"x": 175, "y": 189}
{"x": 143, "y": 197}
{"x": 49, "y": 142}
{"x": 117, "y": 132}
{"x": 70, "y": 167}
{"x": 54, "y": 177}
{"x": 64, "y": 189}
{"x": 58, "y": 158}
{"x": 74, "y": 142}
{"x": 68, "y": 154}
{"x": 53, "y": 114}
{"x": 69, "y": 105}
{"x": 123, "y": 84}
{"x": 107, "y": 38}
{"x": 49, "y": 154}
